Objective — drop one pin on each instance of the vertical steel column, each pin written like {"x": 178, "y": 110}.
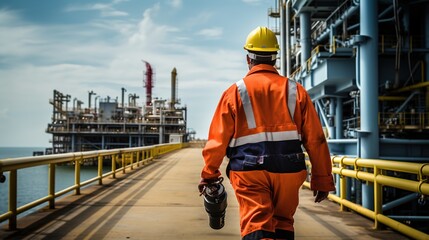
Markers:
{"x": 161, "y": 126}
{"x": 369, "y": 91}
{"x": 103, "y": 142}
{"x": 426, "y": 24}
{"x": 288, "y": 39}
{"x": 426, "y": 39}
{"x": 73, "y": 141}
{"x": 339, "y": 118}
{"x": 332, "y": 33}
{"x": 305, "y": 27}
{"x": 331, "y": 118}
{"x": 283, "y": 48}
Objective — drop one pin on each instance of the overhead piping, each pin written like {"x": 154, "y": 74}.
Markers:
{"x": 349, "y": 12}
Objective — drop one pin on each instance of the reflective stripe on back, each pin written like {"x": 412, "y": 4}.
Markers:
{"x": 265, "y": 137}
{"x": 291, "y": 99}
{"x": 247, "y": 105}
{"x": 251, "y": 123}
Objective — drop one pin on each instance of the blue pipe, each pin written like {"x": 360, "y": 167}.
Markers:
{"x": 399, "y": 201}
{"x": 342, "y": 141}
{"x": 382, "y": 140}
{"x": 331, "y": 119}
{"x": 305, "y": 26}
{"x": 426, "y": 20}
{"x": 357, "y": 61}
{"x": 339, "y": 118}
{"x": 324, "y": 118}
{"x": 405, "y": 103}
{"x": 283, "y": 40}
{"x": 412, "y": 218}
{"x": 369, "y": 97}
{"x": 286, "y": 24}
{"x": 404, "y": 141}
{"x": 349, "y": 12}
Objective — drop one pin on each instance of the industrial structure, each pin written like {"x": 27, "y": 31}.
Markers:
{"x": 365, "y": 65}
{"x": 112, "y": 124}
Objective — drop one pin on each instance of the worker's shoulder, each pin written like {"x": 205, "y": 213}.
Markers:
{"x": 230, "y": 91}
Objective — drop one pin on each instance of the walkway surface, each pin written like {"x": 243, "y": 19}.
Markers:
{"x": 161, "y": 201}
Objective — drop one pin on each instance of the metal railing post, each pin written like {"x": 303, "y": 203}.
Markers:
{"x": 77, "y": 175}
{"x": 51, "y": 188}
{"x": 138, "y": 158}
{"x": 13, "y": 199}
{"x": 343, "y": 185}
{"x": 100, "y": 169}
{"x": 114, "y": 157}
{"x": 123, "y": 162}
{"x": 378, "y": 197}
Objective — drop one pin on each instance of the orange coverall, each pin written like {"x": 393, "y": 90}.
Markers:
{"x": 264, "y": 133}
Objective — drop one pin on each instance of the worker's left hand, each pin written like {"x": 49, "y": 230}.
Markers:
{"x": 320, "y": 196}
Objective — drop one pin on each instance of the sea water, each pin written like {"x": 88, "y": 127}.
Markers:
{"x": 33, "y": 182}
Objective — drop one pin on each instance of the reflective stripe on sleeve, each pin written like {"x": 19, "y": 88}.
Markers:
{"x": 247, "y": 105}
{"x": 264, "y": 137}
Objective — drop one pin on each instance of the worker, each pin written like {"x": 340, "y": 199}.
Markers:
{"x": 261, "y": 123}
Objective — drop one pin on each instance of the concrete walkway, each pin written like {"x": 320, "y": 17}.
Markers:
{"x": 161, "y": 201}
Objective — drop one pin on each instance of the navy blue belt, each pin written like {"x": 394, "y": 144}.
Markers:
{"x": 276, "y": 163}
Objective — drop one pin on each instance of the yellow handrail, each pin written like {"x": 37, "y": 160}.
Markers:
{"x": 138, "y": 155}
{"x": 373, "y": 170}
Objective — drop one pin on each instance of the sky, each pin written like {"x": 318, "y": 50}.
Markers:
{"x": 88, "y": 45}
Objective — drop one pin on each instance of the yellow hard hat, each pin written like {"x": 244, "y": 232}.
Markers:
{"x": 262, "y": 39}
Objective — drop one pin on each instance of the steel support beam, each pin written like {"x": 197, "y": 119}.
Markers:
{"x": 305, "y": 27}
{"x": 369, "y": 136}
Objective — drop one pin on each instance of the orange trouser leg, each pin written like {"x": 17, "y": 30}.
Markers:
{"x": 267, "y": 200}
{"x": 286, "y": 198}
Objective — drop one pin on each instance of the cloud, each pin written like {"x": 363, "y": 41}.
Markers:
{"x": 28, "y": 43}
{"x": 17, "y": 38}
{"x": 150, "y": 34}
{"x": 253, "y": 2}
{"x": 215, "y": 32}
{"x": 104, "y": 55}
{"x": 105, "y": 9}
{"x": 175, "y": 3}
{"x": 8, "y": 16}
{"x": 203, "y": 17}
{"x": 3, "y": 113}
{"x": 119, "y": 1}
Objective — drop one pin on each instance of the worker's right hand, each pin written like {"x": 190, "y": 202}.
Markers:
{"x": 205, "y": 182}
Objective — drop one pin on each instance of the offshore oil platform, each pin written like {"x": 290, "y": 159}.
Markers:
{"x": 365, "y": 65}
{"x": 112, "y": 124}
